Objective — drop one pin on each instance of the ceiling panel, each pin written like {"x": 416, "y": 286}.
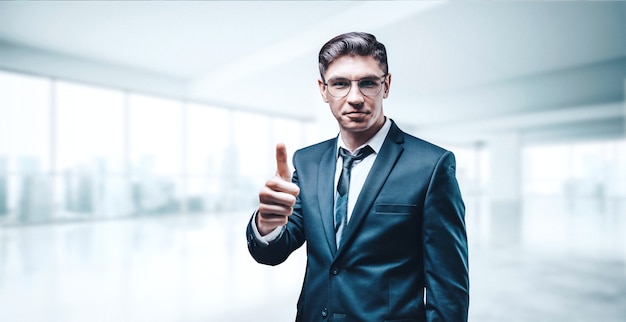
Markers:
{"x": 449, "y": 60}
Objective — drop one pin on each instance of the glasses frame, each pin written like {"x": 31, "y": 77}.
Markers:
{"x": 384, "y": 77}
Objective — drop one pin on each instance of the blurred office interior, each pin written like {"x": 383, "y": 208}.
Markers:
{"x": 135, "y": 136}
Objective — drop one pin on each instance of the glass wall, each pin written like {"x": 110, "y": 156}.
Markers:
{"x": 88, "y": 151}
{"x": 582, "y": 170}
{"x": 575, "y": 197}
{"x": 72, "y": 151}
{"x": 25, "y": 154}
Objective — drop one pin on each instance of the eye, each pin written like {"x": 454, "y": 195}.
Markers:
{"x": 368, "y": 83}
{"x": 339, "y": 83}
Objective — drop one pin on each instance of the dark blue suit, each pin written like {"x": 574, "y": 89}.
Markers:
{"x": 406, "y": 233}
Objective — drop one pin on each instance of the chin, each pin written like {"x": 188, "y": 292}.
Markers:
{"x": 356, "y": 126}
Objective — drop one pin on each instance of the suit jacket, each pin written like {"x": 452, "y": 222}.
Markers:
{"x": 403, "y": 255}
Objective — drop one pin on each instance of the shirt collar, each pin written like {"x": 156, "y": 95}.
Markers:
{"x": 376, "y": 142}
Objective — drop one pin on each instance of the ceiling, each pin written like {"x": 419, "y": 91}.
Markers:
{"x": 459, "y": 68}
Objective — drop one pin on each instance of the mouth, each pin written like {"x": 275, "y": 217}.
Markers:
{"x": 357, "y": 113}
{"x": 356, "y": 116}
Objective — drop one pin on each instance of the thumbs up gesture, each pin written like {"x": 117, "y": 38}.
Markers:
{"x": 278, "y": 196}
{"x": 282, "y": 167}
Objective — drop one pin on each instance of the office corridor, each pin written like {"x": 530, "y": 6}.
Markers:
{"x": 135, "y": 136}
{"x": 197, "y": 268}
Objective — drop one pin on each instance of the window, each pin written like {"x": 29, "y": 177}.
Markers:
{"x": 587, "y": 169}
{"x": 155, "y": 135}
{"x": 208, "y": 133}
{"x": 25, "y": 146}
{"x": 24, "y": 123}
{"x": 90, "y": 166}
{"x": 71, "y": 151}
{"x": 156, "y": 154}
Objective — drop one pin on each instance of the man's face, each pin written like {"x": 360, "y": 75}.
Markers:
{"x": 356, "y": 113}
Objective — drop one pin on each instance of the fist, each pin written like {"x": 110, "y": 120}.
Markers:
{"x": 278, "y": 196}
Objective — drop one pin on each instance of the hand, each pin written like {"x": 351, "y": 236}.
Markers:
{"x": 278, "y": 196}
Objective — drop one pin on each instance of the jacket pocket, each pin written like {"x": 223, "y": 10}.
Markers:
{"x": 392, "y": 209}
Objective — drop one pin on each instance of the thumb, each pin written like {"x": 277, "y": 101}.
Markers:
{"x": 282, "y": 168}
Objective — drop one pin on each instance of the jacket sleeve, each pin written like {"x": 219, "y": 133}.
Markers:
{"x": 445, "y": 246}
{"x": 290, "y": 239}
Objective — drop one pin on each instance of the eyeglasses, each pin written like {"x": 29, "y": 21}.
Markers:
{"x": 369, "y": 86}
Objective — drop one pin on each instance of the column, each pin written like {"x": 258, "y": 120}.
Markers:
{"x": 504, "y": 189}
{"x": 4, "y": 185}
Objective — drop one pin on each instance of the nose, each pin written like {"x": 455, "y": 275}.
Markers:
{"x": 355, "y": 97}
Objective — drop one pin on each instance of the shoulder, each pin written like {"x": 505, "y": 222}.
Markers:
{"x": 421, "y": 145}
{"x": 413, "y": 144}
{"x": 421, "y": 151}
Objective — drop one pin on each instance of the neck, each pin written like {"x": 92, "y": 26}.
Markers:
{"x": 353, "y": 140}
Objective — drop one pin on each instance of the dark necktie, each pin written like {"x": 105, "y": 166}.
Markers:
{"x": 341, "y": 206}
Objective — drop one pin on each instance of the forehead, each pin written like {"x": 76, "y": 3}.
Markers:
{"x": 353, "y": 67}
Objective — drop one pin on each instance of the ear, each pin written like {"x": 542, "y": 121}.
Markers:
{"x": 322, "y": 87}
{"x": 387, "y": 86}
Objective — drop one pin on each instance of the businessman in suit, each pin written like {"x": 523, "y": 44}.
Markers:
{"x": 380, "y": 210}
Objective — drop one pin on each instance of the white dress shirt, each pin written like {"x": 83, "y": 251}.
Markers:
{"x": 360, "y": 169}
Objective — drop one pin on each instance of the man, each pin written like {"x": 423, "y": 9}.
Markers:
{"x": 396, "y": 250}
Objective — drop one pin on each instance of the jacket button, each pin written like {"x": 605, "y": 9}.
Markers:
{"x": 325, "y": 312}
{"x": 335, "y": 271}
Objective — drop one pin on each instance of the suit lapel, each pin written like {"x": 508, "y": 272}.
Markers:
{"x": 326, "y": 195}
{"x": 385, "y": 161}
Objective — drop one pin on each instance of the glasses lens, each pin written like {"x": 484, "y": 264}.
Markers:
{"x": 370, "y": 86}
{"x": 339, "y": 87}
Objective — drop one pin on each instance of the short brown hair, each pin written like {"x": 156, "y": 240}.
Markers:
{"x": 352, "y": 44}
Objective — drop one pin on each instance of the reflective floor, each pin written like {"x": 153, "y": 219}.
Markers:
{"x": 544, "y": 260}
